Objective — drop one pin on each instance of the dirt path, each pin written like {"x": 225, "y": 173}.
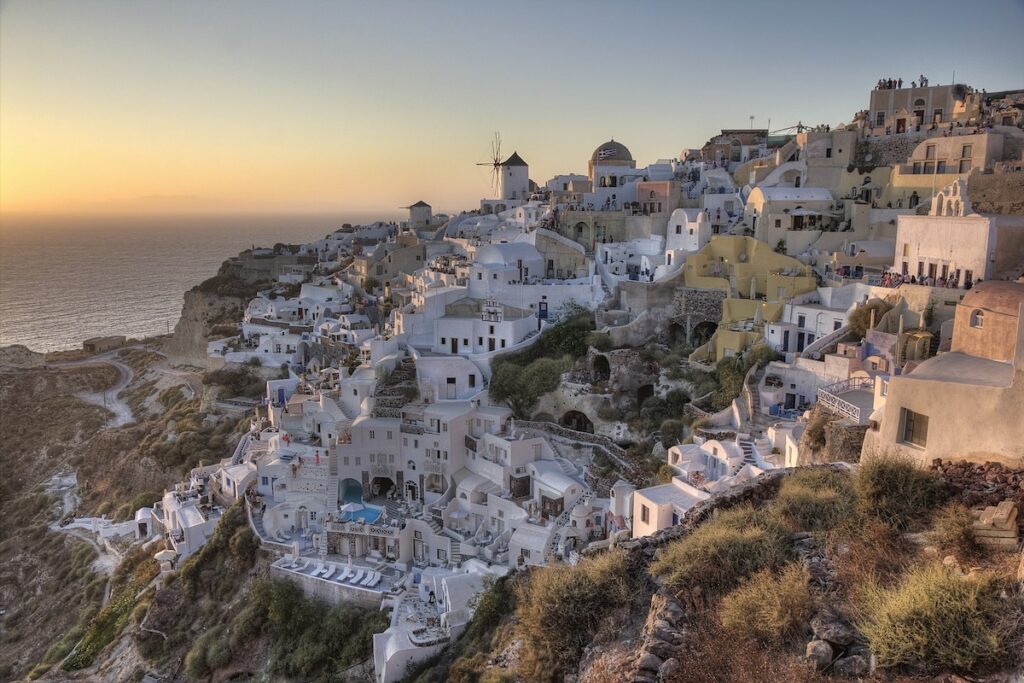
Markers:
{"x": 109, "y": 398}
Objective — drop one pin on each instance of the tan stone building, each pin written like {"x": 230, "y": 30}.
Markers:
{"x": 967, "y": 404}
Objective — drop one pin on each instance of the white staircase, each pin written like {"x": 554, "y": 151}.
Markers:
{"x": 332, "y": 481}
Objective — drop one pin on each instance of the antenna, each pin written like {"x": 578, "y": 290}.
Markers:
{"x": 751, "y": 122}
{"x": 495, "y": 162}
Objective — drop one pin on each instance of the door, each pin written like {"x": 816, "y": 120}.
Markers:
{"x": 451, "y": 388}
{"x": 455, "y": 345}
{"x": 790, "y": 401}
{"x": 490, "y": 343}
{"x": 785, "y": 340}
{"x": 931, "y": 270}
{"x": 919, "y": 115}
{"x": 901, "y": 125}
{"x": 800, "y": 341}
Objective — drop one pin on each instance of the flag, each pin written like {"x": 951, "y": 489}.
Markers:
{"x": 605, "y": 153}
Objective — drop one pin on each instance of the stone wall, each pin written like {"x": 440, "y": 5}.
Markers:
{"x": 692, "y": 306}
{"x": 981, "y": 484}
{"x": 997, "y": 192}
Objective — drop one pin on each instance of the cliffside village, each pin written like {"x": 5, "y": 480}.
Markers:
{"x": 383, "y": 474}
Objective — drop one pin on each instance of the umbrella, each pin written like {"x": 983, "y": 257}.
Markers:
{"x": 165, "y": 556}
{"x": 352, "y": 507}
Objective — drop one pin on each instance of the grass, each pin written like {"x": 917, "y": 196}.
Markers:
{"x": 935, "y": 619}
{"x": 561, "y": 607}
{"x": 815, "y": 500}
{"x": 952, "y": 530}
{"x": 772, "y": 609}
{"x": 722, "y": 552}
{"x": 895, "y": 491}
{"x": 132, "y": 576}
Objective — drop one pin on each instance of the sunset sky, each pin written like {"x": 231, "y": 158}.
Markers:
{"x": 249, "y": 106}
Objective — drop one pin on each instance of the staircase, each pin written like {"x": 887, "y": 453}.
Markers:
{"x": 566, "y": 467}
{"x": 455, "y": 556}
{"x": 748, "y": 452}
{"x": 434, "y": 526}
{"x": 332, "y": 481}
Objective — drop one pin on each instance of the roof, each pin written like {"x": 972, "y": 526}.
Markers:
{"x": 419, "y": 205}
{"x": 677, "y": 493}
{"x": 507, "y": 254}
{"x": 997, "y": 296}
{"x": 611, "y": 151}
{"x": 959, "y": 368}
{"x": 514, "y": 160}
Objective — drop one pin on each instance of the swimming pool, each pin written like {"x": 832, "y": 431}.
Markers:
{"x": 368, "y": 515}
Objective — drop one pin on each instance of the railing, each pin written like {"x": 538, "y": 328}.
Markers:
{"x": 410, "y": 428}
{"x": 471, "y": 443}
{"x": 829, "y": 396}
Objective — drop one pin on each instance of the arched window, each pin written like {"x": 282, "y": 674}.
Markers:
{"x": 977, "y": 318}
{"x": 919, "y": 102}
{"x": 652, "y": 194}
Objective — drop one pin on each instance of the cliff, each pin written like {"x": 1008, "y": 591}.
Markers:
{"x": 200, "y": 314}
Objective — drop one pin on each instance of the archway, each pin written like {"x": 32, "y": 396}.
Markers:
{"x": 676, "y": 333}
{"x": 644, "y": 393}
{"x": 351, "y": 491}
{"x": 412, "y": 491}
{"x": 381, "y": 486}
{"x": 601, "y": 371}
{"x": 576, "y": 420}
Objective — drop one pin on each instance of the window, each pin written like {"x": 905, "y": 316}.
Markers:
{"x": 444, "y": 340}
{"x": 444, "y": 426}
{"x": 836, "y": 324}
{"x": 645, "y": 514}
{"x": 472, "y": 381}
{"x": 372, "y": 434}
{"x": 929, "y": 152}
{"x": 978, "y": 318}
{"x": 778, "y": 222}
{"x": 828, "y": 152}
{"x": 965, "y": 151}
{"x": 915, "y": 428}
{"x": 390, "y": 435}
{"x": 266, "y": 481}
{"x": 906, "y": 248}
{"x": 494, "y": 276}
{"x": 940, "y": 167}
{"x": 801, "y": 320}
{"x": 679, "y": 230}
{"x": 479, "y": 276}
{"x": 490, "y": 329}
{"x": 880, "y": 118}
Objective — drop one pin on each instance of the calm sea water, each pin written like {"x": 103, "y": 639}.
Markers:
{"x": 65, "y": 279}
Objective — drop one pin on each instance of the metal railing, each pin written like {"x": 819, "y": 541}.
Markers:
{"x": 830, "y": 396}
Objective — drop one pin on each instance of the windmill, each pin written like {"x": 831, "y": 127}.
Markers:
{"x": 495, "y": 162}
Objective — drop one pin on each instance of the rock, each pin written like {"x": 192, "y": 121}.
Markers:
{"x": 661, "y": 649}
{"x": 819, "y": 653}
{"x": 669, "y": 669}
{"x": 951, "y": 562}
{"x": 853, "y": 666}
{"x": 827, "y": 625}
{"x": 649, "y": 662}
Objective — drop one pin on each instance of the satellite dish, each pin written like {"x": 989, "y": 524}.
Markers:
{"x": 743, "y": 257}
{"x": 868, "y": 157}
{"x": 817, "y": 355}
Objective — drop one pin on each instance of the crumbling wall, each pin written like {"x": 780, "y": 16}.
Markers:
{"x": 693, "y": 306}
{"x": 1001, "y": 193}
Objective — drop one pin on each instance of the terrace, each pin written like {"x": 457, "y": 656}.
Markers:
{"x": 852, "y": 398}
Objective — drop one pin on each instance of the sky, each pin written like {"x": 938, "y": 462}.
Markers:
{"x": 251, "y": 106}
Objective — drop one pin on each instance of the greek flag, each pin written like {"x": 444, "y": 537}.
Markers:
{"x": 605, "y": 153}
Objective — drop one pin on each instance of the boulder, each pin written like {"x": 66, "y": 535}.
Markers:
{"x": 853, "y": 666}
{"x": 827, "y": 625}
{"x": 819, "y": 653}
{"x": 669, "y": 669}
{"x": 649, "y": 662}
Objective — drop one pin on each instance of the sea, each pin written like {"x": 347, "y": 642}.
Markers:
{"x": 64, "y": 279}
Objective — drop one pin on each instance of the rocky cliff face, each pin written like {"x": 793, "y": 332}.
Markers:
{"x": 201, "y": 312}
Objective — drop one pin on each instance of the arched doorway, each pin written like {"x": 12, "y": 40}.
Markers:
{"x": 351, "y": 491}
{"x": 676, "y": 333}
{"x": 601, "y": 370}
{"x": 644, "y": 393}
{"x": 381, "y": 486}
{"x": 412, "y": 490}
{"x": 576, "y": 420}
{"x": 703, "y": 332}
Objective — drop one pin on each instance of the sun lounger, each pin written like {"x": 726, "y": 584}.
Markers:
{"x": 377, "y": 576}
{"x": 357, "y": 578}
{"x": 330, "y": 571}
{"x": 343, "y": 574}
{"x": 319, "y": 568}
{"x": 301, "y": 567}
{"x": 289, "y": 560}
{"x": 368, "y": 579}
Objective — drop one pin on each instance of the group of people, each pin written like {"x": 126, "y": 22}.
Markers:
{"x": 897, "y": 83}
{"x": 897, "y": 279}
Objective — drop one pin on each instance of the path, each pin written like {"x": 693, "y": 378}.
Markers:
{"x": 108, "y": 398}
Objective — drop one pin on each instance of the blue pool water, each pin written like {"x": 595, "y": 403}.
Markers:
{"x": 367, "y": 515}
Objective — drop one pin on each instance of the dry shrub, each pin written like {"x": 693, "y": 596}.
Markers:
{"x": 815, "y": 500}
{"x": 952, "y": 530}
{"x": 895, "y": 490}
{"x": 773, "y": 609}
{"x": 877, "y": 554}
{"x": 713, "y": 655}
{"x": 561, "y": 607}
{"x": 936, "y": 619}
{"x": 722, "y": 552}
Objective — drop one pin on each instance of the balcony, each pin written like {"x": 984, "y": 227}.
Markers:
{"x": 471, "y": 443}
{"x": 852, "y": 398}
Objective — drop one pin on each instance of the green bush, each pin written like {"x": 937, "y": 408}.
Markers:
{"x": 952, "y": 529}
{"x": 773, "y": 609}
{"x": 815, "y": 500}
{"x": 936, "y": 620}
{"x": 894, "y": 490}
{"x": 723, "y": 551}
{"x": 600, "y": 341}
